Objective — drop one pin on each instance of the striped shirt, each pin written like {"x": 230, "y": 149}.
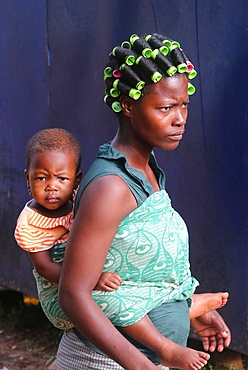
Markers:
{"x": 34, "y": 232}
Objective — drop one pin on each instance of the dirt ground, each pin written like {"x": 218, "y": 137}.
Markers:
{"x": 28, "y": 340}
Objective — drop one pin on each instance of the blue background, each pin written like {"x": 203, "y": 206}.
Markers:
{"x": 52, "y": 57}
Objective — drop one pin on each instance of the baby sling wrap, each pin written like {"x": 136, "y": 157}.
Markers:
{"x": 149, "y": 250}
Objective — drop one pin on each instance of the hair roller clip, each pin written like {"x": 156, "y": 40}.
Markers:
{"x": 112, "y": 103}
{"x": 157, "y": 44}
{"x": 107, "y": 72}
{"x": 192, "y": 74}
{"x": 174, "y": 45}
{"x": 132, "y": 76}
{"x": 191, "y": 89}
{"x": 116, "y": 106}
{"x": 188, "y": 62}
{"x": 167, "y": 42}
{"x": 141, "y": 46}
{"x": 127, "y": 90}
{"x": 156, "y": 77}
{"x": 182, "y": 68}
{"x": 115, "y": 84}
{"x": 146, "y": 52}
{"x": 126, "y": 45}
{"x": 124, "y": 55}
{"x": 134, "y": 94}
{"x": 107, "y": 92}
{"x": 111, "y": 87}
{"x": 115, "y": 64}
{"x": 109, "y": 81}
{"x": 164, "y": 50}
{"x": 114, "y": 93}
{"x": 190, "y": 66}
{"x": 150, "y": 68}
{"x": 140, "y": 85}
{"x": 178, "y": 59}
{"x": 164, "y": 62}
{"x": 133, "y": 37}
{"x": 117, "y": 73}
{"x": 147, "y": 37}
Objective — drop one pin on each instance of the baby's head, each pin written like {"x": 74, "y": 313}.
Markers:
{"x": 53, "y": 159}
{"x": 53, "y": 139}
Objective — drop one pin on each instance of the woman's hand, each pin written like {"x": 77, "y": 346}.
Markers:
{"x": 213, "y": 331}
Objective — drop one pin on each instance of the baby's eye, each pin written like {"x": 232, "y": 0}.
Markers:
{"x": 41, "y": 178}
{"x": 63, "y": 178}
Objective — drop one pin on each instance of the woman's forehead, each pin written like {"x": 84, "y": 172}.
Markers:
{"x": 176, "y": 85}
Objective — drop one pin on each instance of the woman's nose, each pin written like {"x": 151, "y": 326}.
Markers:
{"x": 180, "y": 118}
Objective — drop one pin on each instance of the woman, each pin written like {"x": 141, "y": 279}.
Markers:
{"x": 148, "y": 88}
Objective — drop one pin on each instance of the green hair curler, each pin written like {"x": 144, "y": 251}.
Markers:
{"x": 191, "y": 89}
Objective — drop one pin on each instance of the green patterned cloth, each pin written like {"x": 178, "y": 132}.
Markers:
{"x": 48, "y": 293}
{"x": 150, "y": 253}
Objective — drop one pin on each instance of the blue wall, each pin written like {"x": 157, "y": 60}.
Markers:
{"x": 52, "y": 57}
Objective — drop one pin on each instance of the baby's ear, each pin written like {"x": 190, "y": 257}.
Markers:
{"x": 78, "y": 179}
{"x": 26, "y": 174}
{"x": 27, "y": 179}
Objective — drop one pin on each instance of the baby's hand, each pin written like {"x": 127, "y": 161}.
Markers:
{"x": 108, "y": 281}
{"x": 59, "y": 232}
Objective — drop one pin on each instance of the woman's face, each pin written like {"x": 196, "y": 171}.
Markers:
{"x": 158, "y": 119}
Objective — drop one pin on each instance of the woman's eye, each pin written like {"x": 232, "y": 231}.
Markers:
{"x": 165, "y": 109}
{"x": 185, "y": 105}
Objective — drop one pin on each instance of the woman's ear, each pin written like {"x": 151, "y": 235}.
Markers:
{"x": 126, "y": 105}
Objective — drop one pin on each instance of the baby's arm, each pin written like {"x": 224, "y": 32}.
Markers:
{"x": 45, "y": 266}
{"x": 32, "y": 238}
{"x": 37, "y": 242}
{"x": 59, "y": 232}
{"x": 50, "y": 270}
{"x": 108, "y": 281}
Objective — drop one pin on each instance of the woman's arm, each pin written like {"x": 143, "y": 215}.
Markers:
{"x": 104, "y": 203}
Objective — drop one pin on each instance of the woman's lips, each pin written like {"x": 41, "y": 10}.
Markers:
{"x": 177, "y": 135}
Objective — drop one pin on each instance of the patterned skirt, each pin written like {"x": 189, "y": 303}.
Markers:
{"x": 75, "y": 355}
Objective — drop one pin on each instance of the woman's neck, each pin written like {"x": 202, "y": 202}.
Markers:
{"x": 136, "y": 151}
{"x": 138, "y": 157}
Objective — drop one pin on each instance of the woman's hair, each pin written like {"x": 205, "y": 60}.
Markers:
{"x": 53, "y": 139}
{"x": 142, "y": 61}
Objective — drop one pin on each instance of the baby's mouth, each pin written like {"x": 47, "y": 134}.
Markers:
{"x": 51, "y": 199}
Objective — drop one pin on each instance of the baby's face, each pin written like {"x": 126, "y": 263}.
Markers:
{"x": 52, "y": 177}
